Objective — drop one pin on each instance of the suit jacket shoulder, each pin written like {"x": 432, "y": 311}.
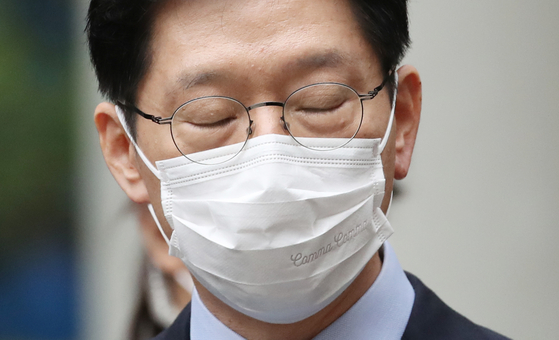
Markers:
{"x": 432, "y": 319}
{"x": 180, "y": 329}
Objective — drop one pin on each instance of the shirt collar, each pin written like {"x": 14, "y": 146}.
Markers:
{"x": 381, "y": 313}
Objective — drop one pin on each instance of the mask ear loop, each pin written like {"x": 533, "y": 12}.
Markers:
{"x": 391, "y": 120}
{"x": 146, "y": 161}
{"x": 389, "y": 203}
{"x": 184, "y": 279}
{"x": 152, "y": 212}
{"x": 388, "y": 129}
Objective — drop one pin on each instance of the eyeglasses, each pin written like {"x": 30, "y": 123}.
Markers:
{"x": 323, "y": 110}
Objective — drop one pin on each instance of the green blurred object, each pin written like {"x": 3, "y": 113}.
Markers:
{"x": 35, "y": 129}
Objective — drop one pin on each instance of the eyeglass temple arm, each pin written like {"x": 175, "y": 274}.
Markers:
{"x": 372, "y": 94}
{"x": 153, "y": 118}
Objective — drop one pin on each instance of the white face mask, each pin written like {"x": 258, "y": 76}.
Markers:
{"x": 279, "y": 231}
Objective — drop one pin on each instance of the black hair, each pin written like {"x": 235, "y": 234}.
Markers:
{"x": 385, "y": 26}
{"x": 119, "y": 35}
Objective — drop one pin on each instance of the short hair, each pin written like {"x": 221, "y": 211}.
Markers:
{"x": 119, "y": 35}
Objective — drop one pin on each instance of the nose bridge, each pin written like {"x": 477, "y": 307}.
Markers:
{"x": 267, "y": 119}
{"x": 257, "y": 105}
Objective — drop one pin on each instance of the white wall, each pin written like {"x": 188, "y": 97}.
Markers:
{"x": 478, "y": 219}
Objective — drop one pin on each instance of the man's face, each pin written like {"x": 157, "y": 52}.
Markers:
{"x": 254, "y": 51}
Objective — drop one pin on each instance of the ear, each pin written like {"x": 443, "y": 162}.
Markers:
{"x": 406, "y": 115}
{"x": 119, "y": 153}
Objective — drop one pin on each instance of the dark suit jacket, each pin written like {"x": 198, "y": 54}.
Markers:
{"x": 430, "y": 319}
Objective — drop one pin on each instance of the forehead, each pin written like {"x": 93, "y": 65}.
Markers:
{"x": 201, "y": 42}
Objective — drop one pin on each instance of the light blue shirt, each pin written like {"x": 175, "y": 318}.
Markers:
{"x": 381, "y": 313}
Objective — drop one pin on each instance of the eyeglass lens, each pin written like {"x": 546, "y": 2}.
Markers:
{"x": 320, "y": 110}
{"x": 323, "y": 111}
{"x": 208, "y": 123}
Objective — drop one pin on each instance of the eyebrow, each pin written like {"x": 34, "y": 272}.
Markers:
{"x": 318, "y": 60}
{"x": 188, "y": 80}
{"x": 328, "y": 59}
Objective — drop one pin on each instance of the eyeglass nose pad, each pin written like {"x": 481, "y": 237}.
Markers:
{"x": 284, "y": 124}
{"x": 249, "y": 129}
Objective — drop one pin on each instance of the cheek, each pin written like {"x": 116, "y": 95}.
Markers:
{"x": 375, "y": 118}
{"x": 388, "y": 158}
{"x": 153, "y": 187}
{"x": 156, "y": 141}
{"x": 151, "y": 182}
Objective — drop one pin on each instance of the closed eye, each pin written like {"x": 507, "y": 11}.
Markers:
{"x": 222, "y": 123}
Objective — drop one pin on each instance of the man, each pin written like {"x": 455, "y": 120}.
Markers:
{"x": 287, "y": 123}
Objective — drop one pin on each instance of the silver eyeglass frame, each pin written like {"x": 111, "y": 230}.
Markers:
{"x": 169, "y": 120}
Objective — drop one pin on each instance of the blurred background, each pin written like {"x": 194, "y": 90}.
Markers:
{"x": 38, "y": 278}
{"x": 477, "y": 218}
